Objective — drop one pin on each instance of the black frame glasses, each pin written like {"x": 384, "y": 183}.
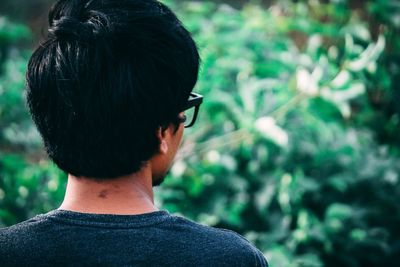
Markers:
{"x": 195, "y": 101}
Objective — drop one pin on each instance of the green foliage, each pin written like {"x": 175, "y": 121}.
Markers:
{"x": 286, "y": 150}
{"x": 296, "y": 146}
{"x": 28, "y": 185}
{"x": 16, "y": 129}
{"x": 28, "y": 189}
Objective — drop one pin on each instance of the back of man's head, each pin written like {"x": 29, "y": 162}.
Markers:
{"x": 109, "y": 74}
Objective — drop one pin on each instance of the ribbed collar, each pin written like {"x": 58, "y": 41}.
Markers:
{"x": 107, "y": 220}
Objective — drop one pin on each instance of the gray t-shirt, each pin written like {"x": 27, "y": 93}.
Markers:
{"x": 66, "y": 238}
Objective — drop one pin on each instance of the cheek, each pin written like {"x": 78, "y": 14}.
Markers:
{"x": 180, "y": 134}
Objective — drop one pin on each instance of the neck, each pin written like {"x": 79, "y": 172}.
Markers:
{"x": 126, "y": 195}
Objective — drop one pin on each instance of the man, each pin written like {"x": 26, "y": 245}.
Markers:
{"x": 109, "y": 90}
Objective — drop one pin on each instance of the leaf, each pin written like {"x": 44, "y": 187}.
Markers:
{"x": 268, "y": 128}
{"x": 370, "y": 54}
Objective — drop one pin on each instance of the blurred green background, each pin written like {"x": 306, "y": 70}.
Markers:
{"x": 297, "y": 144}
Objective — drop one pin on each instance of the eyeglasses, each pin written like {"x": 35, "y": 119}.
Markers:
{"x": 191, "y": 109}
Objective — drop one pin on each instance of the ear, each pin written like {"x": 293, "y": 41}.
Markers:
{"x": 163, "y": 135}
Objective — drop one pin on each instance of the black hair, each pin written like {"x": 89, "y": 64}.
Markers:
{"x": 109, "y": 74}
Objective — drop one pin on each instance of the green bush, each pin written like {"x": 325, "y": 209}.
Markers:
{"x": 296, "y": 146}
{"x": 293, "y": 148}
{"x": 28, "y": 184}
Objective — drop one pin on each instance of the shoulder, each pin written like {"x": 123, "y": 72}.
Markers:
{"x": 23, "y": 243}
{"x": 21, "y": 228}
{"x": 217, "y": 235}
{"x": 17, "y": 236}
{"x": 222, "y": 244}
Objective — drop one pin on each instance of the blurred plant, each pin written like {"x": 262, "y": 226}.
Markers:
{"x": 16, "y": 129}
{"x": 28, "y": 185}
{"x": 286, "y": 151}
